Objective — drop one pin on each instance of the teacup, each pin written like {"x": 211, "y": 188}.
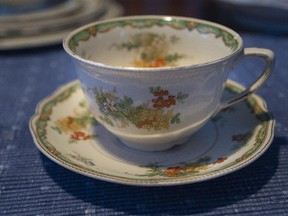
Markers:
{"x": 155, "y": 80}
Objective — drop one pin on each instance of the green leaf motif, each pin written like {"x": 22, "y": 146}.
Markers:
{"x": 175, "y": 119}
{"x": 181, "y": 97}
{"x": 125, "y": 103}
{"x": 83, "y": 104}
{"x": 155, "y": 89}
{"x": 173, "y": 57}
{"x": 108, "y": 121}
{"x": 205, "y": 159}
{"x": 57, "y": 129}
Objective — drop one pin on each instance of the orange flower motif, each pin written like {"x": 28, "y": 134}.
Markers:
{"x": 172, "y": 171}
{"x": 158, "y": 103}
{"x": 161, "y": 93}
{"x": 220, "y": 160}
{"x": 160, "y": 62}
{"x": 170, "y": 101}
{"x": 79, "y": 135}
{"x": 161, "y": 102}
{"x": 241, "y": 137}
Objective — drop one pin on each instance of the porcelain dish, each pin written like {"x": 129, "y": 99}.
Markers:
{"x": 153, "y": 81}
{"x": 65, "y": 131}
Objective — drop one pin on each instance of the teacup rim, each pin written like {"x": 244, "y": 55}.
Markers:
{"x": 69, "y": 36}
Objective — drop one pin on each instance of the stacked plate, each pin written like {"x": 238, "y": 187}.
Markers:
{"x": 48, "y": 25}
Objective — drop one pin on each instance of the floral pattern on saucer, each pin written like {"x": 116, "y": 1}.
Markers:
{"x": 183, "y": 169}
{"x": 65, "y": 131}
{"x": 76, "y": 125}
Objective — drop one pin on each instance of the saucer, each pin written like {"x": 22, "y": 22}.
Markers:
{"x": 64, "y": 130}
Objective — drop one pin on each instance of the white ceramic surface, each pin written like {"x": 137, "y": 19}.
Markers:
{"x": 155, "y": 80}
{"x": 66, "y": 132}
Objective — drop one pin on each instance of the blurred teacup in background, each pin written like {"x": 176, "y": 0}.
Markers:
{"x": 155, "y": 80}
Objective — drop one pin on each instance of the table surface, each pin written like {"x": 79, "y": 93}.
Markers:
{"x": 31, "y": 184}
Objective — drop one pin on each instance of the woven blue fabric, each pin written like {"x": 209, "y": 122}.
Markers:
{"x": 31, "y": 184}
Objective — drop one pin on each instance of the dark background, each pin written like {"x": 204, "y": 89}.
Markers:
{"x": 245, "y": 18}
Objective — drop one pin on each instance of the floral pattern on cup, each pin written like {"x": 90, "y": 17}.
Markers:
{"x": 155, "y": 114}
{"x": 152, "y": 49}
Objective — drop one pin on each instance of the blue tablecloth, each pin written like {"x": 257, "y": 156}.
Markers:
{"x": 31, "y": 184}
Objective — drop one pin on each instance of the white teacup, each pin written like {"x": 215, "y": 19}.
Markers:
{"x": 154, "y": 80}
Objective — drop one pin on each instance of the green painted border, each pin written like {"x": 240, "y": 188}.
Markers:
{"x": 92, "y": 31}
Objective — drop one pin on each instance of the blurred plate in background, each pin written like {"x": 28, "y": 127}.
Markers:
{"x": 52, "y": 30}
{"x": 88, "y": 9}
{"x": 62, "y": 8}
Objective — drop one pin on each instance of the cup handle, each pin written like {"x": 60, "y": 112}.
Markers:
{"x": 269, "y": 59}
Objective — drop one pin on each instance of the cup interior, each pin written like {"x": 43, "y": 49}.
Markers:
{"x": 152, "y": 42}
